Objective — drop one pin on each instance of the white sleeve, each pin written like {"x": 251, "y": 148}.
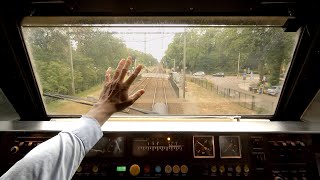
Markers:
{"x": 59, "y": 157}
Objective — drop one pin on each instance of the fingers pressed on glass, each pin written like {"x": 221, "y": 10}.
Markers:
{"x": 137, "y": 95}
{"x": 119, "y": 69}
{"x": 134, "y": 75}
{"x": 125, "y": 69}
{"x": 107, "y": 80}
{"x": 108, "y": 74}
{"x": 104, "y": 89}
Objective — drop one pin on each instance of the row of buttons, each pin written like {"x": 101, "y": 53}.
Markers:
{"x": 135, "y": 169}
{"x": 29, "y": 144}
{"x": 287, "y": 143}
{"x": 222, "y": 169}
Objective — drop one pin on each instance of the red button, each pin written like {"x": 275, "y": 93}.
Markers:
{"x": 146, "y": 169}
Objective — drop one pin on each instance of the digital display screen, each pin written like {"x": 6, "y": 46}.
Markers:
{"x": 230, "y": 147}
{"x": 108, "y": 147}
{"x": 203, "y": 147}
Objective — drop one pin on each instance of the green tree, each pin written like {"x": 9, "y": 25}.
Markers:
{"x": 142, "y": 58}
{"x": 265, "y": 50}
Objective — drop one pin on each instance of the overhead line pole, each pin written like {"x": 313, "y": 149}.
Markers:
{"x": 71, "y": 65}
{"x": 184, "y": 65}
{"x": 239, "y": 65}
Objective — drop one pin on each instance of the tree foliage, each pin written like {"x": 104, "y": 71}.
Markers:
{"x": 263, "y": 50}
{"x": 88, "y": 51}
{"x": 142, "y": 58}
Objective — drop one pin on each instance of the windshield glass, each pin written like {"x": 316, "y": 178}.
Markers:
{"x": 188, "y": 70}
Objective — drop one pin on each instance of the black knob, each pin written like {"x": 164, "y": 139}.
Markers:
{"x": 14, "y": 149}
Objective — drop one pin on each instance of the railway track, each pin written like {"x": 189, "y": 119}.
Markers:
{"x": 159, "y": 94}
{"x": 160, "y": 102}
{"x": 142, "y": 85}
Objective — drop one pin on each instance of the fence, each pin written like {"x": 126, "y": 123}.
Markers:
{"x": 174, "y": 86}
{"x": 243, "y": 99}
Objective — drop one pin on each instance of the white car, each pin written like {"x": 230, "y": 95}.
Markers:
{"x": 199, "y": 73}
{"x": 219, "y": 74}
{"x": 274, "y": 90}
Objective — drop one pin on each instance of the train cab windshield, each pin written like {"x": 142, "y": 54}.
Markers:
{"x": 202, "y": 66}
{"x": 231, "y": 89}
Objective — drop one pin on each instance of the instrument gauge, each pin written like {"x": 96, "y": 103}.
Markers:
{"x": 230, "y": 147}
{"x": 203, "y": 147}
{"x": 108, "y": 147}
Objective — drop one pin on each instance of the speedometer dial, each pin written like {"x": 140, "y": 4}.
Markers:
{"x": 230, "y": 147}
{"x": 203, "y": 147}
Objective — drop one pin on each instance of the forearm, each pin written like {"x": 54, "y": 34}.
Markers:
{"x": 60, "y": 156}
{"x": 101, "y": 114}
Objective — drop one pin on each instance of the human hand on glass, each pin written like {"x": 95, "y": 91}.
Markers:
{"x": 114, "y": 95}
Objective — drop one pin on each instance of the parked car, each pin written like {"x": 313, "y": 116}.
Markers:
{"x": 274, "y": 90}
{"x": 199, "y": 73}
{"x": 219, "y": 74}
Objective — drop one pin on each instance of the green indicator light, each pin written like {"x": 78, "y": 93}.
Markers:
{"x": 121, "y": 168}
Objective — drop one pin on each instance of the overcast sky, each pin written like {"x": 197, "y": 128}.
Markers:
{"x": 153, "y": 40}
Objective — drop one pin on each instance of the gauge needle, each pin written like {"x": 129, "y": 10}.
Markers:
{"x": 117, "y": 145}
{"x": 205, "y": 148}
{"x": 230, "y": 145}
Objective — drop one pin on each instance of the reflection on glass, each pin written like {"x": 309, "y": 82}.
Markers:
{"x": 108, "y": 147}
{"x": 228, "y": 70}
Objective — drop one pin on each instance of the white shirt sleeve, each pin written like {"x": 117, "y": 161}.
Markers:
{"x": 59, "y": 157}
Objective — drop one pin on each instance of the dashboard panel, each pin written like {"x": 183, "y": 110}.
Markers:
{"x": 206, "y": 154}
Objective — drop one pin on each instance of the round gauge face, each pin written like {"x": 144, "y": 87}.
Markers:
{"x": 203, "y": 147}
{"x": 230, "y": 147}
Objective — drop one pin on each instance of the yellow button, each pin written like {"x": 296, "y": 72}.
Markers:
{"x": 79, "y": 169}
{"x": 222, "y": 169}
{"x": 95, "y": 168}
{"x": 168, "y": 169}
{"x": 214, "y": 169}
{"x": 184, "y": 169}
{"x": 246, "y": 168}
{"x": 176, "y": 169}
{"x": 238, "y": 169}
{"x": 134, "y": 170}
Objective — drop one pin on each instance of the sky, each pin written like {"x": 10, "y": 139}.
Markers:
{"x": 153, "y": 40}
